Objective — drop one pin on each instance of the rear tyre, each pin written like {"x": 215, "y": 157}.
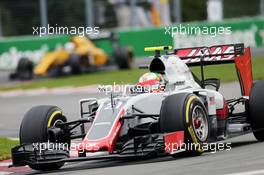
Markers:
{"x": 123, "y": 58}
{"x": 185, "y": 112}
{"x": 256, "y": 110}
{"x": 34, "y": 129}
{"x": 24, "y": 70}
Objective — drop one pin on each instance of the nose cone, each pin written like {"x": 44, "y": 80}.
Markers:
{"x": 105, "y": 142}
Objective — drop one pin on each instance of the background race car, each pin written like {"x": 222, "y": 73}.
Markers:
{"x": 78, "y": 55}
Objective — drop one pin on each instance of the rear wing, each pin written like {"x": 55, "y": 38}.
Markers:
{"x": 218, "y": 54}
{"x": 222, "y": 54}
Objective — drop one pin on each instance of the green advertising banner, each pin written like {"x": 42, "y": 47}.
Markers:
{"x": 12, "y": 49}
{"x": 247, "y": 30}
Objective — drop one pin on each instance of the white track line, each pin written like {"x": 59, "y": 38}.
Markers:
{"x": 56, "y": 91}
{"x": 255, "y": 172}
{"x": 5, "y": 173}
{"x": 13, "y": 138}
{"x": 5, "y": 164}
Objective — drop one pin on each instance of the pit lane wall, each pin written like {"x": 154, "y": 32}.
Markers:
{"x": 247, "y": 30}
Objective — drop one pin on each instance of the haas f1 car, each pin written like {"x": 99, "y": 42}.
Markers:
{"x": 168, "y": 109}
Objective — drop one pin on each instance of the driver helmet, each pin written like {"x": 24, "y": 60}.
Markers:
{"x": 152, "y": 82}
{"x": 69, "y": 47}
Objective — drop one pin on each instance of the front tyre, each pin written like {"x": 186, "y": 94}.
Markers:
{"x": 34, "y": 129}
{"x": 185, "y": 112}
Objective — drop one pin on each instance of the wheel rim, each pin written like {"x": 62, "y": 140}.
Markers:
{"x": 56, "y": 122}
{"x": 200, "y": 123}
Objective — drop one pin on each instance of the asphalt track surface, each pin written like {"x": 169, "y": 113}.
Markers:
{"x": 246, "y": 154}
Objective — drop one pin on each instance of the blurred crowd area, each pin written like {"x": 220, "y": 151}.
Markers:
{"x": 17, "y": 17}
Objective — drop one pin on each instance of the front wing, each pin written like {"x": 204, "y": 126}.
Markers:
{"x": 27, "y": 154}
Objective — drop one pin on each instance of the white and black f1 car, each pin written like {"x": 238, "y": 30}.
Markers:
{"x": 181, "y": 109}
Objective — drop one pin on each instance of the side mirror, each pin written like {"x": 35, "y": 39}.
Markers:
{"x": 212, "y": 83}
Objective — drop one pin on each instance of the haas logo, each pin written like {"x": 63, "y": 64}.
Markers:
{"x": 215, "y": 53}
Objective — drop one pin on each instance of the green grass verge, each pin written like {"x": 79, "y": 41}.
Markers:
{"x": 105, "y": 77}
{"x": 5, "y": 147}
{"x": 225, "y": 73}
